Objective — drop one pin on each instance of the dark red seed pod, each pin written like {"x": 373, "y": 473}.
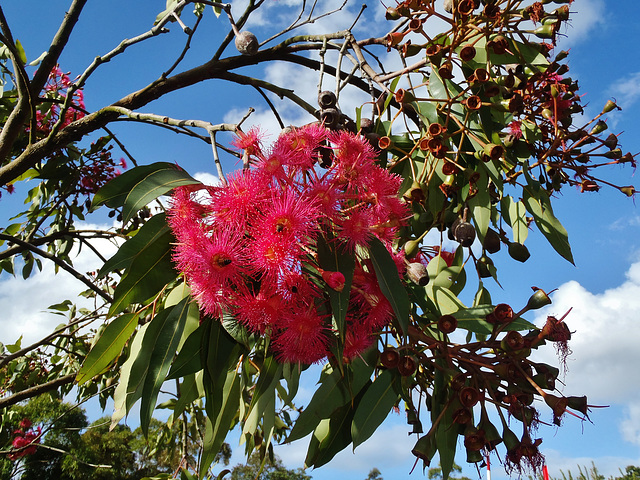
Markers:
{"x": 503, "y": 313}
{"x": 462, "y": 416}
{"x": 435, "y": 129}
{"x": 327, "y": 99}
{"x": 390, "y": 358}
{"x": 407, "y": 366}
{"x": 514, "y": 340}
{"x": 446, "y": 71}
{"x": 474, "y": 102}
{"x": 468, "y": 53}
{"x": 474, "y": 441}
{"x": 450, "y": 168}
{"x": 458, "y": 382}
{"x": 469, "y": 396}
{"x": 447, "y": 324}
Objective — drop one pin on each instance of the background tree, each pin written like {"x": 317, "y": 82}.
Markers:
{"x": 374, "y": 474}
{"x": 270, "y": 470}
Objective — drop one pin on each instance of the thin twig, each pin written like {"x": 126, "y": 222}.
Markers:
{"x": 65, "y": 266}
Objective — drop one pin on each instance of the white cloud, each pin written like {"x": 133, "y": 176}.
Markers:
{"x": 23, "y": 303}
{"x": 608, "y": 466}
{"x": 584, "y": 17}
{"x": 626, "y": 91}
{"x": 605, "y": 359}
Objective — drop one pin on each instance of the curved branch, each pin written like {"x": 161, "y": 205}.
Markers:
{"x": 65, "y": 266}
{"x": 36, "y": 390}
{"x": 213, "y": 69}
{"x": 14, "y": 124}
{"x": 11, "y": 251}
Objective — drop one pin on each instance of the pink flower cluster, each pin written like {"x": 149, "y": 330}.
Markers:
{"x": 55, "y": 89}
{"x": 25, "y": 440}
{"x": 96, "y": 169}
{"x": 249, "y": 248}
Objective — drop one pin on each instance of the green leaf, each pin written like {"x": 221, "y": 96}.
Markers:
{"x": 191, "y": 389}
{"x": 147, "y": 275}
{"x": 377, "y": 402}
{"x": 219, "y": 353}
{"x": 538, "y": 205}
{"x": 189, "y": 358}
{"x": 333, "y": 259}
{"x": 515, "y": 215}
{"x": 132, "y": 375}
{"x": 446, "y": 438}
{"x": 22, "y": 56}
{"x": 264, "y": 393}
{"x": 390, "y": 283}
{"x": 151, "y": 187}
{"x": 480, "y": 205}
{"x": 116, "y": 192}
{"x": 155, "y": 230}
{"x": 163, "y": 338}
{"x": 334, "y": 391}
{"x": 218, "y": 426}
{"x": 108, "y": 347}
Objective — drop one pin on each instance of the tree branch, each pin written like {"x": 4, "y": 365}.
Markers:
{"x": 36, "y": 390}
{"x": 65, "y": 266}
{"x": 14, "y": 124}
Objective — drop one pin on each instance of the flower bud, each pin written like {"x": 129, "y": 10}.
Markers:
{"x": 599, "y": 127}
{"x": 335, "y": 280}
{"x": 417, "y": 273}
{"x": 629, "y": 191}
{"x": 392, "y": 14}
{"x": 538, "y": 300}
{"x": 610, "y": 106}
{"x": 247, "y": 43}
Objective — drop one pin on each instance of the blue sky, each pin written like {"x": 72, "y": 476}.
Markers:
{"x": 603, "y": 288}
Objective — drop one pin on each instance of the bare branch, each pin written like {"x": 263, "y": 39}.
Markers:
{"x": 36, "y": 390}
{"x": 65, "y": 266}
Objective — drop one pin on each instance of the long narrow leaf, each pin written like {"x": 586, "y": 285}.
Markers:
{"x": 390, "y": 283}
{"x": 165, "y": 342}
{"x": 152, "y": 186}
{"x": 108, "y": 347}
{"x": 377, "y": 402}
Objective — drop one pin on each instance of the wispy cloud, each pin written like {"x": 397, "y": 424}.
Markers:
{"x": 585, "y": 16}
{"x": 626, "y": 91}
{"x": 605, "y": 355}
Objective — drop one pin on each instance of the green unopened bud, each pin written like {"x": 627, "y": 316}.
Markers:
{"x": 411, "y": 248}
{"x": 538, "y": 300}
{"x": 610, "y": 106}
{"x": 611, "y": 141}
{"x": 392, "y": 14}
{"x": 545, "y": 31}
{"x": 579, "y": 404}
{"x": 629, "y": 191}
{"x": 599, "y": 127}
{"x": 614, "y": 154}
